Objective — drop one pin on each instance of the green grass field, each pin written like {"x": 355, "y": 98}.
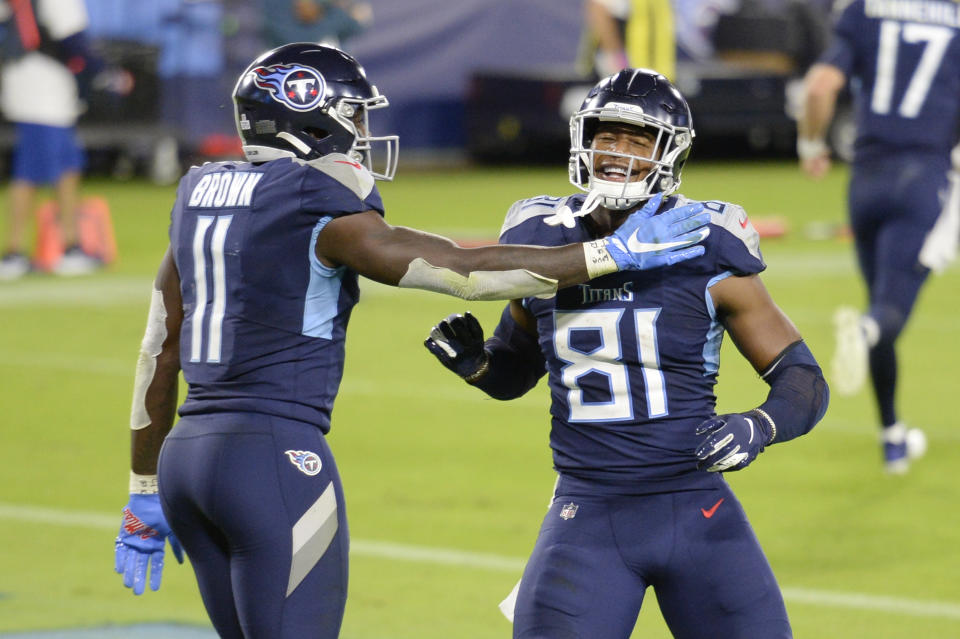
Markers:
{"x": 446, "y": 489}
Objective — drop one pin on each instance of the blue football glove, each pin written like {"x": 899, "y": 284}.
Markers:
{"x": 143, "y": 532}
{"x": 732, "y": 441}
{"x": 457, "y": 341}
{"x": 646, "y": 240}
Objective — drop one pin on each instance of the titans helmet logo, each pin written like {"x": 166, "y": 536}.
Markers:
{"x": 307, "y": 462}
{"x": 293, "y": 85}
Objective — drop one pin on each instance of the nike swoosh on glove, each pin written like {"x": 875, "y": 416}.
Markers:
{"x": 731, "y": 441}
{"x": 646, "y": 240}
{"x": 144, "y": 532}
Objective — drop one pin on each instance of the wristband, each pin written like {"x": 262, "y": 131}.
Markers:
{"x": 480, "y": 372}
{"x": 599, "y": 260}
{"x": 143, "y": 484}
{"x": 808, "y": 148}
{"x": 769, "y": 420}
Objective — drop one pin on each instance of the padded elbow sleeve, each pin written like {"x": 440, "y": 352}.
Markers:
{"x": 798, "y": 395}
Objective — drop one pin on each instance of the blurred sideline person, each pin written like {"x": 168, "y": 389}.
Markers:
{"x": 44, "y": 49}
{"x": 902, "y": 60}
{"x": 252, "y": 301}
{"x": 632, "y": 360}
{"x": 628, "y": 33}
{"x": 330, "y": 22}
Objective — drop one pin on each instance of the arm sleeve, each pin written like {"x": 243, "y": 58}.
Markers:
{"x": 516, "y": 363}
{"x": 798, "y": 395}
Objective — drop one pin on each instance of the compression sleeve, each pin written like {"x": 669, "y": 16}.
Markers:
{"x": 798, "y": 394}
{"x": 514, "y": 361}
{"x": 478, "y": 285}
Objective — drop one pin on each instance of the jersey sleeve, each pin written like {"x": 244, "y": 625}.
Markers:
{"x": 840, "y": 52}
{"x": 334, "y": 185}
{"x": 734, "y": 243}
{"x": 525, "y": 223}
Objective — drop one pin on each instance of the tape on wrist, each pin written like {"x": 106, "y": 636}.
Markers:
{"x": 599, "y": 260}
{"x": 808, "y": 148}
{"x": 143, "y": 484}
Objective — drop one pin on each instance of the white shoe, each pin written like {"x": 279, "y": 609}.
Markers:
{"x": 76, "y": 262}
{"x": 13, "y": 266}
{"x": 901, "y": 445}
{"x": 849, "y": 365}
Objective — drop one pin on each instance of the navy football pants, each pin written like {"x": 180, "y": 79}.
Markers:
{"x": 894, "y": 202}
{"x": 257, "y": 503}
{"x": 588, "y": 572}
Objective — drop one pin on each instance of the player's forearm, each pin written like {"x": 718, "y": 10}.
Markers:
{"x": 491, "y": 272}
{"x": 798, "y": 394}
{"x": 514, "y": 362}
{"x": 821, "y": 87}
{"x": 159, "y": 411}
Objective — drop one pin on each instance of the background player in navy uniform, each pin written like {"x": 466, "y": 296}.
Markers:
{"x": 252, "y": 301}
{"x": 632, "y": 361}
{"x": 903, "y": 61}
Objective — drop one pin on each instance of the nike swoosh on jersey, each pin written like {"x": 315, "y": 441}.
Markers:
{"x": 637, "y": 246}
{"x": 709, "y": 513}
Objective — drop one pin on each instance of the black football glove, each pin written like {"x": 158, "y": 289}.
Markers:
{"x": 457, "y": 341}
{"x": 731, "y": 442}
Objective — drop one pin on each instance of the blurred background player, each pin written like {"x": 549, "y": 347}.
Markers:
{"x": 44, "y": 49}
{"x": 330, "y": 22}
{"x": 252, "y": 301}
{"x": 627, "y": 33}
{"x": 901, "y": 59}
{"x": 632, "y": 360}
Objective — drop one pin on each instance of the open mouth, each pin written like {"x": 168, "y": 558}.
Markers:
{"x": 612, "y": 173}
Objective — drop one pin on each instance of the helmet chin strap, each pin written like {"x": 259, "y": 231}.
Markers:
{"x": 295, "y": 142}
{"x": 602, "y": 191}
{"x": 566, "y": 216}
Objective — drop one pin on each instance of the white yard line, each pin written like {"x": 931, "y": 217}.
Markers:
{"x": 501, "y": 563}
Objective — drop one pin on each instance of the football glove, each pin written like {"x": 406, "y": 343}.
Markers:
{"x": 731, "y": 442}
{"x": 646, "y": 240}
{"x": 143, "y": 533}
{"x": 457, "y": 341}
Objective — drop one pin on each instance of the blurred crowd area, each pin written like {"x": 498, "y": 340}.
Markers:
{"x": 492, "y": 80}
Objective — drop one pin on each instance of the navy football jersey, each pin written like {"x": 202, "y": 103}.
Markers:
{"x": 632, "y": 357}
{"x": 904, "y": 58}
{"x": 264, "y": 320}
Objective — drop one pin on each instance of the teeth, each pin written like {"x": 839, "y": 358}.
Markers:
{"x": 614, "y": 171}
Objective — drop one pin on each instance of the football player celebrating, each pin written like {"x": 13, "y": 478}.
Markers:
{"x": 252, "y": 301}
{"x": 632, "y": 360}
{"x": 901, "y": 58}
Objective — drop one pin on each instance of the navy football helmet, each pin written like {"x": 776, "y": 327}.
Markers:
{"x": 641, "y": 98}
{"x": 308, "y": 100}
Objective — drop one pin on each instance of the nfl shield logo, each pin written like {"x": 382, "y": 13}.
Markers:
{"x": 569, "y": 511}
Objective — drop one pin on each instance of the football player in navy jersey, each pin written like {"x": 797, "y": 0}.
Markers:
{"x": 632, "y": 360}
{"x": 901, "y": 59}
{"x": 252, "y": 301}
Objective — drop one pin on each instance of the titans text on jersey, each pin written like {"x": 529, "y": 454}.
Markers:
{"x": 633, "y": 358}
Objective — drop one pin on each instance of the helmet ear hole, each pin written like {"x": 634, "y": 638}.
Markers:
{"x": 316, "y": 132}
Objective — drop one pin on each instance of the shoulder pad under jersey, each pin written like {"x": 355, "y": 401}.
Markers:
{"x": 347, "y": 172}
{"x": 523, "y": 210}
{"x": 733, "y": 219}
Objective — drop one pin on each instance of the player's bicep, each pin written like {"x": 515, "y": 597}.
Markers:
{"x": 167, "y": 282}
{"x": 523, "y": 317}
{"x": 375, "y": 249}
{"x": 824, "y": 80}
{"x": 756, "y": 324}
